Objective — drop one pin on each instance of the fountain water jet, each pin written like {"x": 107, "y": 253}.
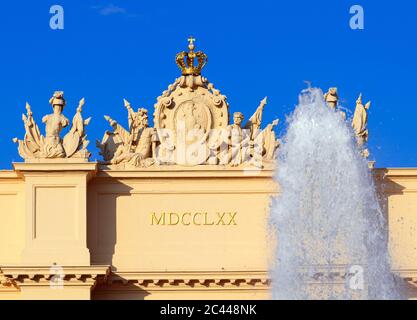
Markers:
{"x": 331, "y": 233}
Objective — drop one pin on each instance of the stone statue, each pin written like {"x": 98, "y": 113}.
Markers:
{"x": 135, "y": 120}
{"x": 235, "y": 146}
{"x": 256, "y": 142}
{"x": 141, "y": 156}
{"x": 360, "y": 124}
{"x": 54, "y": 123}
{"x": 254, "y": 123}
{"x": 237, "y": 141}
{"x": 120, "y": 136}
{"x": 360, "y": 121}
{"x": 270, "y": 142}
{"x": 108, "y": 145}
{"x": 192, "y": 126}
{"x": 331, "y": 98}
{"x": 76, "y": 138}
{"x": 30, "y": 146}
{"x": 111, "y": 140}
{"x": 36, "y": 146}
{"x": 136, "y": 146}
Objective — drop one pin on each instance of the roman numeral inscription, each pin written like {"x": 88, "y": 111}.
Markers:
{"x": 193, "y": 218}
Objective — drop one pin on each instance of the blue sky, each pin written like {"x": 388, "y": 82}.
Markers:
{"x": 110, "y": 50}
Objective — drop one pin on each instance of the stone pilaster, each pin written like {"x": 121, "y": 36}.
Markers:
{"x": 56, "y": 212}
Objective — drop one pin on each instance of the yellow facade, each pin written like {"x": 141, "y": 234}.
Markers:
{"x": 178, "y": 211}
{"x": 161, "y": 233}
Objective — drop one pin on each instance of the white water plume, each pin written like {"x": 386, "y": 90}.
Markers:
{"x": 331, "y": 232}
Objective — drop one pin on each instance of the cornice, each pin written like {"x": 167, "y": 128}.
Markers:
{"x": 195, "y": 280}
{"x": 395, "y": 172}
{"x": 41, "y": 276}
{"x": 9, "y": 174}
{"x": 203, "y": 171}
{"x": 7, "y": 284}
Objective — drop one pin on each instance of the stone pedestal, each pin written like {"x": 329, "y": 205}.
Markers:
{"x": 56, "y": 212}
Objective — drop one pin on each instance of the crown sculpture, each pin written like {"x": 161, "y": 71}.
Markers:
{"x": 187, "y": 66}
{"x": 35, "y": 146}
{"x": 191, "y": 127}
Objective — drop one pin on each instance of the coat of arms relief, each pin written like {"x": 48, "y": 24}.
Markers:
{"x": 191, "y": 127}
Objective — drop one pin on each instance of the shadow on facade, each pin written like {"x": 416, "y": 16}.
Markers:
{"x": 103, "y": 200}
{"x": 102, "y": 236}
{"x": 119, "y": 289}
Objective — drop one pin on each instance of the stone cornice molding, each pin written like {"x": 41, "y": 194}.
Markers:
{"x": 55, "y": 167}
{"x": 8, "y": 174}
{"x": 396, "y": 180}
{"x": 41, "y": 276}
{"x": 195, "y": 280}
{"x": 408, "y": 274}
{"x": 396, "y": 172}
{"x": 190, "y": 172}
{"x": 7, "y": 284}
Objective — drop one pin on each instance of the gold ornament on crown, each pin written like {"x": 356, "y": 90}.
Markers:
{"x": 185, "y": 60}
